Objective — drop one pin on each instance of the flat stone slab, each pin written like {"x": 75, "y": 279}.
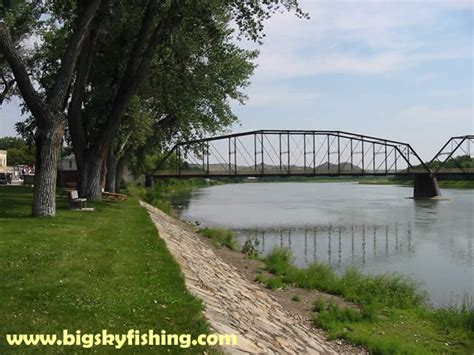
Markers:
{"x": 234, "y": 305}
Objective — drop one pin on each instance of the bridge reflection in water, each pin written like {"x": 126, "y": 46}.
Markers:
{"x": 338, "y": 246}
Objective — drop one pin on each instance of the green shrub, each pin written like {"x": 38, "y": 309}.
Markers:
{"x": 162, "y": 205}
{"x": 278, "y": 260}
{"x": 455, "y": 316}
{"x": 275, "y": 283}
{"x": 296, "y": 298}
{"x": 369, "y": 312}
{"x": 250, "y": 248}
{"x": 220, "y": 237}
{"x": 335, "y": 314}
{"x": 318, "y": 276}
{"x": 260, "y": 278}
{"x": 319, "y": 305}
{"x": 161, "y": 194}
{"x": 388, "y": 290}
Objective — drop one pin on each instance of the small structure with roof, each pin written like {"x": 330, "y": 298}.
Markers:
{"x": 3, "y": 161}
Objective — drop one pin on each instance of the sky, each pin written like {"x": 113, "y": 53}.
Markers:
{"x": 400, "y": 70}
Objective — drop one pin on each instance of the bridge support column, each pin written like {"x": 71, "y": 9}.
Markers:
{"x": 426, "y": 186}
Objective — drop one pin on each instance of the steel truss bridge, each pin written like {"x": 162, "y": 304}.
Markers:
{"x": 281, "y": 153}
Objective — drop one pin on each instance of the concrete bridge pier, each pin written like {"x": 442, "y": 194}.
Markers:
{"x": 426, "y": 186}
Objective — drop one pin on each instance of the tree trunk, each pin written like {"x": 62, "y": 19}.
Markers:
{"x": 94, "y": 170}
{"x": 103, "y": 176}
{"x": 111, "y": 171}
{"x": 120, "y": 171}
{"x": 90, "y": 173}
{"x": 48, "y": 143}
{"x": 81, "y": 176}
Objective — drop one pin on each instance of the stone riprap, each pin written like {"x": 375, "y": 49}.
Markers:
{"x": 233, "y": 304}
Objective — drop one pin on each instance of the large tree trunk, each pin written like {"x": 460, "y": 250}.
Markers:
{"x": 94, "y": 174}
{"x": 90, "y": 173}
{"x": 82, "y": 179}
{"x": 110, "y": 182}
{"x": 103, "y": 176}
{"x": 111, "y": 173}
{"x": 48, "y": 143}
{"x": 149, "y": 37}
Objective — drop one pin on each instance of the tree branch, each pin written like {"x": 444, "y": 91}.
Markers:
{"x": 75, "y": 117}
{"x": 7, "y": 85}
{"x": 33, "y": 100}
{"x": 137, "y": 68}
{"x": 59, "y": 91}
{"x": 40, "y": 109}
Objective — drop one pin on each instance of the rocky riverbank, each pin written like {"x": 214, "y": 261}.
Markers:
{"x": 236, "y": 305}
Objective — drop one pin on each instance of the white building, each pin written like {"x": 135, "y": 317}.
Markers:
{"x": 3, "y": 161}
{"x": 67, "y": 163}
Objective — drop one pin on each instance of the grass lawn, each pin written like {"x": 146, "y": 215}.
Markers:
{"x": 89, "y": 271}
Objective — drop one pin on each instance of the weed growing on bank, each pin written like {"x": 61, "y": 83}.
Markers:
{"x": 250, "y": 248}
{"x": 220, "y": 237}
{"x": 390, "y": 314}
{"x": 296, "y": 298}
{"x": 384, "y": 290}
{"x": 161, "y": 193}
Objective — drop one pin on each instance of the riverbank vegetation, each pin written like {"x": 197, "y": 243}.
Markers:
{"x": 88, "y": 271}
{"x": 220, "y": 237}
{"x": 456, "y": 184}
{"x": 161, "y": 194}
{"x": 444, "y": 184}
{"x": 389, "y": 313}
{"x": 400, "y": 181}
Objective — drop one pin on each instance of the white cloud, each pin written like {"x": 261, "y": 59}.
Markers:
{"x": 278, "y": 66}
{"x": 280, "y": 96}
{"x": 362, "y": 37}
{"x": 427, "y": 128}
{"x": 460, "y": 4}
{"x": 422, "y": 114}
{"x": 294, "y": 66}
{"x": 424, "y": 79}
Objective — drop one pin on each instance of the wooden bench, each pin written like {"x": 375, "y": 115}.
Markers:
{"x": 75, "y": 202}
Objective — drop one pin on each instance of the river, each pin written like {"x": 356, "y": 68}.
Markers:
{"x": 375, "y": 228}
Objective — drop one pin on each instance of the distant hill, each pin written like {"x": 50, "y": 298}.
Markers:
{"x": 344, "y": 167}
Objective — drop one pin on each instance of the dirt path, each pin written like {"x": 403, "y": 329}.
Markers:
{"x": 233, "y": 304}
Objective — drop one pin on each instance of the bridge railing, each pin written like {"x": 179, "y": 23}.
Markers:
{"x": 293, "y": 152}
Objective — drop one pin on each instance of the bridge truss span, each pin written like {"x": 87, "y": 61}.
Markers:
{"x": 461, "y": 148}
{"x": 293, "y": 153}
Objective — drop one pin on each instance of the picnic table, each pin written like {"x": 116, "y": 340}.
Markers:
{"x": 113, "y": 196}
